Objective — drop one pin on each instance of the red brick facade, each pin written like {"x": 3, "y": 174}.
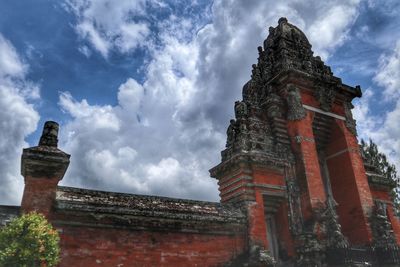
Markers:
{"x": 294, "y": 186}
{"x": 87, "y": 246}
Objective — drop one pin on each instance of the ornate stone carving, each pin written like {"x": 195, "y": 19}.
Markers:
{"x": 309, "y": 250}
{"x": 274, "y": 105}
{"x": 240, "y": 109}
{"x": 293, "y": 191}
{"x": 256, "y": 129}
{"x": 350, "y": 121}
{"x": 260, "y": 257}
{"x": 332, "y": 228}
{"x": 256, "y": 78}
{"x": 231, "y": 133}
{"x": 260, "y": 135}
{"x": 286, "y": 47}
{"x": 321, "y": 232}
{"x": 379, "y": 172}
{"x": 325, "y": 96}
{"x": 296, "y": 110}
{"x": 381, "y": 227}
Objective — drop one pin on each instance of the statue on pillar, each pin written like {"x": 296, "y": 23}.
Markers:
{"x": 296, "y": 110}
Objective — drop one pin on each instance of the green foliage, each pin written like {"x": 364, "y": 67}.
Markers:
{"x": 28, "y": 241}
{"x": 375, "y": 158}
{"x": 379, "y": 160}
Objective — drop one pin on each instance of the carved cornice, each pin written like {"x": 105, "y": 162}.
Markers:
{"x": 379, "y": 181}
{"x": 249, "y": 160}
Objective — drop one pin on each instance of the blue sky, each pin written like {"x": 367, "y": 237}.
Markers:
{"x": 144, "y": 90}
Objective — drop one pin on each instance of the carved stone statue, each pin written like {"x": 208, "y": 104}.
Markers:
{"x": 325, "y": 96}
{"x": 295, "y": 216}
{"x": 381, "y": 227}
{"x": 332, "y": 228}
{"x": 231, "y": 133}
{"x": 296, "y": 110}
{"x": 350, "y": 121}
{"x": 240, "y": 109}
{"x": 274, "y": 103}
{"x": 309, "y": 250}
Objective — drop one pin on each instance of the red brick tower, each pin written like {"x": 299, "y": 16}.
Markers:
{"x": 43, "y": 166}
{"x": 292, "y": 160}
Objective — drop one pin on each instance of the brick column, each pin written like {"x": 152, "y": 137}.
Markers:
{"x": 303, "y": 142}
{"x": 243, "y": 181}
{"x": 236, "y": 185}
{"x": 358, "y": 169}
{"x": 43, "y": 166}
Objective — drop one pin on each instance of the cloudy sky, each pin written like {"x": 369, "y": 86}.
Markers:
{"x": 144, "y": 90}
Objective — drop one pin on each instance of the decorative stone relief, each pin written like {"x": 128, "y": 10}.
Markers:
{"x": 325, "y": 96}
{"x": 274, "y": 105}
{"x": 381, "y": 227}
{"x": 240, "y": 110}
{"x": 332, "y": 228}
{"x": 231, "y": 133}
{"x": 350, "y": 121}
{"x": 293, "y": 191}
{"x": 309, "y": 250}
{"x": 319, "y": 233}
{"x": 260, "y": 257}
{"x": 296, "y": 110}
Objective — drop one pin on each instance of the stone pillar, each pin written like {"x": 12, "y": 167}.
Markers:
{"x": 43, "y": 166}
{"x": 246, "y": 181}
{"x": 236, "y": 185}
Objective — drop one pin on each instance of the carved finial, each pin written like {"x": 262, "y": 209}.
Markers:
{"x": 281, "y": 20}
{"x": 271, "y": 30}
{"x": 50, "y": 134}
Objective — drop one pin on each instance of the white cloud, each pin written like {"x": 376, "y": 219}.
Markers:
{"x": 130, "y": 95}
{"x": 388, "y": 74}
{"x": 10, "y": 63}
{"x": 95, "y": 116}
{"x": 87, "y": 30}
{"x": 108, "y": 24}
{"x": 85, "y": 51}
{"x": 136, "y": 156}
{"x": 330, "y": 29}
{"x": 18, "y": 119}
{"x": 384, "y": 129}
{"x": 172, "y": 126}
{"x": 131, "y": 36}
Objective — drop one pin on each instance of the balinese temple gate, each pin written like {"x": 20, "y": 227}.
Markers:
{"x": 295, "y": 189}
{"x": 293, "y": 162}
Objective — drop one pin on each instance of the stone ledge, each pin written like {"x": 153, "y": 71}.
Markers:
{"x": 99, "y": 208}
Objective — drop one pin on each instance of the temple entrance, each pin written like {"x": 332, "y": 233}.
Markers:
{"x": 322, "y": 129}
{"x": 326, "y": 179}
{"x": 338, "y": 175}
{"x": 272, "y": 236}
{"x": 272, "y": 210}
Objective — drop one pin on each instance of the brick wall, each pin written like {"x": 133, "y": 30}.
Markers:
{"x": 86, "y": 246}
